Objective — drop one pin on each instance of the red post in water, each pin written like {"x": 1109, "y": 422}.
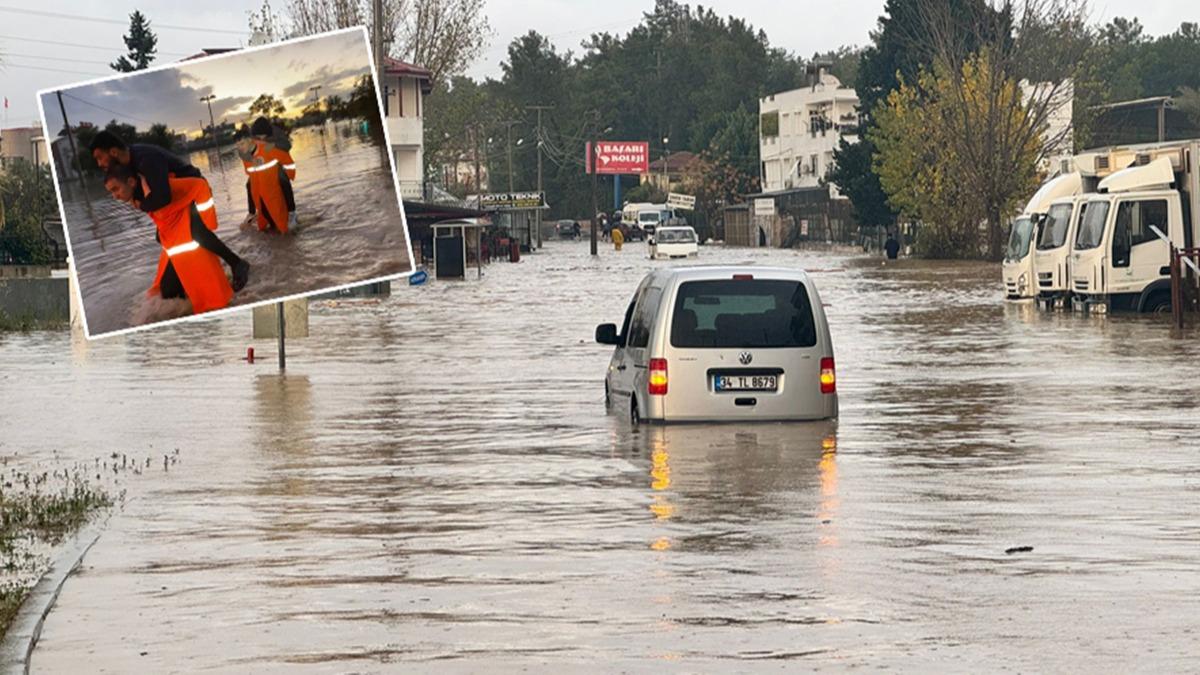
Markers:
{"x": 249, "y": 354}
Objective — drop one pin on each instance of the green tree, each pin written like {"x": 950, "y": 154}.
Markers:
{"x": 161, "y": 135}
{"x": 26, "y": 198}
{"x": 267, "y": 105}
{"x": 958, "y": 148}
{"x": 901, "y": 46}
{"x": 141, "y": 42}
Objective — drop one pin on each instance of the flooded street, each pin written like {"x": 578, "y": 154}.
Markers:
{"x": 350, "y": 230}
{"x": 435, "y": 484}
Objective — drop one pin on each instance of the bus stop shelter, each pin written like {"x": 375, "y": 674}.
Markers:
{"x": 450, "y": 239}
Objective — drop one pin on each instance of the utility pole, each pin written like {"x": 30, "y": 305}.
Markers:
{"x": 508, "y": 126}
{"x": 478, "y": 184}
{"x": 71, "y": 140}
{"x": 595, "y": 199}
{"x": 212, "y": 124}
{"x": 377, "y": 40}
{"x": 592, "y": 167}
{"x": 539, "y": 109}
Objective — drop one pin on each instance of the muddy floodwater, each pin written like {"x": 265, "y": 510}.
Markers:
{"x": 350, "y": 230}
{"x": 434, "y": 484}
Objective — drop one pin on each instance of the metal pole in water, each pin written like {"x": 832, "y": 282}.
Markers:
{"x": 282, "y": 326}
{"x": 71, "y": 140}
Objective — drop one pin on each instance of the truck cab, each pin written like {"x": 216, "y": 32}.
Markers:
{"x": 1120, "y": 261}
{"x": 1020, "y": 274}
{"x": 1052, "y": 255}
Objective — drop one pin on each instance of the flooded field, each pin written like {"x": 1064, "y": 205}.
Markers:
{"x": 435, "y": 485}
{"x": 350, "y": 230}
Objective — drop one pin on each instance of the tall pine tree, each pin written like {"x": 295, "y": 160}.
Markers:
{"x": 141, "y": 43}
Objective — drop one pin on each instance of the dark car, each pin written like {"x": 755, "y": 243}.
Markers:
{"x": 567, "y": 229}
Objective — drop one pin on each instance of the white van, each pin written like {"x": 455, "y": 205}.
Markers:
{"x": 647, "y": 216}
{"x": 722, "y": 344}
{"x": 674, "y": 242}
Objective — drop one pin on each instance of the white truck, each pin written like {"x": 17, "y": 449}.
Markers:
{"x": 1052, "y": 257}
{"x": 1020, "y": 275}
{"x": 1119, "y": 260}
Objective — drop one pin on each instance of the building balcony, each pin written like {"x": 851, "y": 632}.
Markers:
{"x": 411, "y": 189}
{"x": 406, "y": 130}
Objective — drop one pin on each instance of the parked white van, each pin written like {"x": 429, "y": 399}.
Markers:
{"x": 674, "y": 242}
{"x": 722, "y": 344}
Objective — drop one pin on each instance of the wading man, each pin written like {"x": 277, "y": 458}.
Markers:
{"x": 158, "y": 167}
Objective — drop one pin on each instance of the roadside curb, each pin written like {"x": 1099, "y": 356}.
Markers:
{"x": 18, "y": 644}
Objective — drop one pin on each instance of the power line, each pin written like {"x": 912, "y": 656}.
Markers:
{"x": 60, "y": 43}
{"x": 109, "y": 110}
{"x": 54, "y": 70}
{"x": 53, "y": 58}
{"x": 119, "y": 22}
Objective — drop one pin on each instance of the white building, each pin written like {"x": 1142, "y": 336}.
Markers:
{"x": 404, "y": 89}
{"x": 799, "y": 130}
{"x": 1058, "y": 140}
{"x": 25, "y": 143}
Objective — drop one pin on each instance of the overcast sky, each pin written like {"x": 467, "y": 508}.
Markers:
{"x": 803, "y": 27}
{"x": 172, "y": 95}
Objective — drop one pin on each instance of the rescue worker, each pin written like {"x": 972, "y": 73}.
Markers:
{"x": 280, "y": 139}
{"x": 618, "y": 238}
{"x": 157, "y": 166}
{"x": 270, "y": 169}
{"x": 185, "y": 268}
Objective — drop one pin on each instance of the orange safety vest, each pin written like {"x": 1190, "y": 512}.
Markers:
{"x": 199, "y": 270}
{"x": 265, "y": 189}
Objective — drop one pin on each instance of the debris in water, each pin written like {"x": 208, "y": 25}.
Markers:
{"x": 1018, "y": 549}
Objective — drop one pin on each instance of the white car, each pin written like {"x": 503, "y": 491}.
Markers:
{"x": 722, "y": 344}
{"x": 674, "y": 242}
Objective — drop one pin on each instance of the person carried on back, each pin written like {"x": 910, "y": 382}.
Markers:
{"x": 271, "y": 171}
{"x": 155, "y": 168}
{"x": 186, "y": 268}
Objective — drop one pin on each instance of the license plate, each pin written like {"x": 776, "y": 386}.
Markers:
{"x": 746, "y": 382}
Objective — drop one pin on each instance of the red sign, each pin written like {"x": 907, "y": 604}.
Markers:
{"x": 616, "y": 157}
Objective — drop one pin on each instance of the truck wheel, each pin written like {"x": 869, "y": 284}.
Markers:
{"x": 1159, "y": 303}
{"x": 635, "y": 418}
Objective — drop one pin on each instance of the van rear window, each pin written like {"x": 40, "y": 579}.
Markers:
{"x": 735, "y": 313}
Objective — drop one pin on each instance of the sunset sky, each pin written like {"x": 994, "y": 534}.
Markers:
{"x": 172, "y": 96}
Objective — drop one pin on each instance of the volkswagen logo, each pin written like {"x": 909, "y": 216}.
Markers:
{"x": 745, "y": 358}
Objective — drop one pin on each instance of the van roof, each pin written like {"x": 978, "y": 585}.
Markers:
{"x": 709, "y": 272}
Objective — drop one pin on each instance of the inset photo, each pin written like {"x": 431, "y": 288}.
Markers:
{"x": 226, "y": 181}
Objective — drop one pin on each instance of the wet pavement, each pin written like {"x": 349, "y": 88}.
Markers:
{"x": 435, "y": 485}
{"x": 350, "y": 230}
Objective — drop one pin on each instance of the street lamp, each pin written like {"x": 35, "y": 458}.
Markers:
{"x": 666, "y": 153}
{"x": 592, "y": 168}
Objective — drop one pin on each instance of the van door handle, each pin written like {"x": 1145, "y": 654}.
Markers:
{"x": 621, "y": 367}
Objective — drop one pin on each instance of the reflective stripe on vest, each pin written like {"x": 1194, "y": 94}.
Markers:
{"x": 204, "y": 206}
{"x": 289, "y": 167}
{"x": 182, "y": 248}
{"x": 264, "y": 167}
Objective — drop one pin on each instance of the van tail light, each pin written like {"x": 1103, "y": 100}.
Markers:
{"x": 658, "y": 377}
{"x": 828, "y": 376}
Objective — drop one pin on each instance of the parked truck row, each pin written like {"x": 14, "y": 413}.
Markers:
{"x": 1098, "y": 236}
